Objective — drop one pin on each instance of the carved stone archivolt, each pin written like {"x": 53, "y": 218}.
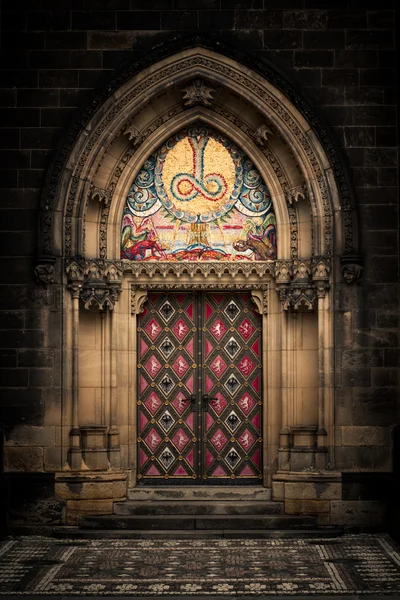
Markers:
{"x": 203, "y": 61}
{"x": 98, "y": 283}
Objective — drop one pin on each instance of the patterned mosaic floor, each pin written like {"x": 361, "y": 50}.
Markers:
{"x": 352, "y": 564}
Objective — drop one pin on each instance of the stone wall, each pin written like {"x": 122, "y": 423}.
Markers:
{"x": 343, "y": 58}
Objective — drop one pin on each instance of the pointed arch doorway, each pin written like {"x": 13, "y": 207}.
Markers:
{"x": 200, "y": 389}
{"x": 83, "y": 233}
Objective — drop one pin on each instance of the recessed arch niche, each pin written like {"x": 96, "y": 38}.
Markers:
{"x": 254, "y": 106}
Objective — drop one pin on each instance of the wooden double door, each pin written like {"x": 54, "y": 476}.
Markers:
{"x": 199, "y": 389}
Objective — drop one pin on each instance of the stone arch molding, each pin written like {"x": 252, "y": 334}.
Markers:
{"x": 253, "y": 105}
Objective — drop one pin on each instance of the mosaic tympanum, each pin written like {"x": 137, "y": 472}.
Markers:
{"x": 198, "y": 197}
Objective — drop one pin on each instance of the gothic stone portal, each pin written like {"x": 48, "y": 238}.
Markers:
{"x": 200, "y": 389}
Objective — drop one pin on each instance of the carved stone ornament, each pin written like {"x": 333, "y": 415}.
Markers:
{"x": 283, "y": 271}
{"x": 98, "y": 282}
{"x": 352, "y": 268}
{"x": 197, "y": 93}
{"x": 301, "y": 282}
{"x": 301, "y": 269}
{"x": 299, "y": 294}
{"x": 45, "y": 271}
{"x": 133, "y": 134}
{"x": 260, "y": 299}
{"x": 101, "y": 194}
{"x": 262, "y": 134}
{"x": 293, "y": 194}
{"x": 138, "y": 299}
{"x": 321, "y": 269}
{"x": 192, "y": 269}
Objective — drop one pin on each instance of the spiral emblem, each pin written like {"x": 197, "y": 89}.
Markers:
{"x": 187, "y": 186}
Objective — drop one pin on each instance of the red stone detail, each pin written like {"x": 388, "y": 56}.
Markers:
{"x": 180, "y": 298}
{"x": 189, "y": 421}
{"x": 189, "y": 383}
{"x": 153, "y": 471}
{"x": 190, "y": 458}
{"x": 218, "y": 298}
{"x": 218, "y": 366}
{"x": 143, "y": 421}
{"x": 209, "y": 347}
{"x": 209, "y": 384}
{"x": 153, "y": 440}
{"x": 153, "y": 329}
{"x": 246, "y": 366}
{"x": 256, "y": 384}
{"x": 256, "y": 347}
{"x": 180, "y": 366}
{"x": 152, "y": 366}
{"x": 153, "y": 403}
{"x": 209, "y": 311}
{"x": 219, "y": 440}
{"x": 246, "y": 440}
{"x": 180, "y": 439}
{"x": 218, "y": 329}
{"x": 246, "y": 471}
{"x": 209, "y": 458}
{"x": 143, "y": 347}
{"x": 153, "y": 297}
{"x": 219, "y": 472}
{"x": 180, "y": 329}
{"x": 142, "y": 457}
{"x": 209, "y": 421}
{"x": 143, "y": 384}
{"x": 189, "y": 347}
{"x": 246, "y": 329}
{"x": 246, "y": 403}
{"x": 180, "y": 471}
{"x": 256, "y": 458}
{"x": 219, "y": 404}
{"x": 256, "y": 421}
{"x": 189, "y": 311}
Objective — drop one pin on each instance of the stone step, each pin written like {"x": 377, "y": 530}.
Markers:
{"x": 72, "y": 533}
{"x": 191, "y": 522}
{"x": 198, "y": 507}
{"x": 212, "y": 493}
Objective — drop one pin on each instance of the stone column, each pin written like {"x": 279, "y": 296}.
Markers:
{"x": 321, "y": 272}
{"x": 75, "y": 454}
{"x": 138, "y": 299}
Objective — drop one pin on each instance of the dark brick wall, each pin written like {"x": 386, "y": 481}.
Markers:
{"x": 342, "y": 54}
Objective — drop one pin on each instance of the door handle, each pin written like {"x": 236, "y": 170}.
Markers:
{"x": 192, "y": 398}
{"x": 206, "y": 399}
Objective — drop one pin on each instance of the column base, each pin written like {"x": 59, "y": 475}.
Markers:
{"x": 306, "y": 493}
{"x": 90, "y": 492}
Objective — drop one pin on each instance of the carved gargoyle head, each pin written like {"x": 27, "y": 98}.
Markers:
{"x": 352, "y": 268}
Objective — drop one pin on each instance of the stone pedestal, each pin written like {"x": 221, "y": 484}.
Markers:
{"x": 94, "y": 447}
{"x": 307, "y": 493}
{"x": 90, "y": 492}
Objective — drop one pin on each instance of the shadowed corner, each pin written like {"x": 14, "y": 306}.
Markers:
{"x": 393, "y": 508}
